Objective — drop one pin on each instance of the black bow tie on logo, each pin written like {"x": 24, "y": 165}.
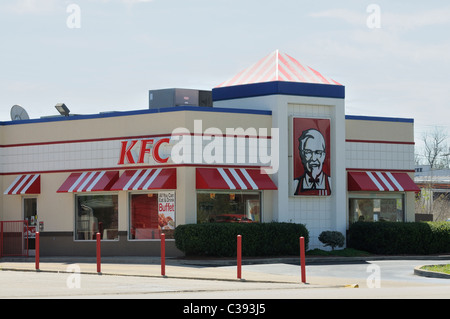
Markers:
{"x": 313, "y": 182}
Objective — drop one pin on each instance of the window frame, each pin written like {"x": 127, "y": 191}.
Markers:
{"x": 235, "y": 191}
{"x": 92, "y": 194}
{"x": 146, "y": 192}
{"x": 377, "y": 196}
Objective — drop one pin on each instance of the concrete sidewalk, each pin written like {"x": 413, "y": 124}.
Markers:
{"x": 143, "y": 266}
{"x": 198, "y": 269}
{"x": 175, "y": 268}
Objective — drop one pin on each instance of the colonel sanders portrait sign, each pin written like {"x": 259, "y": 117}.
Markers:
{"x": 311, "y": 157}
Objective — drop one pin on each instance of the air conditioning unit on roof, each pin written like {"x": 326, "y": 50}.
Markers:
{"x": 179, "y": 97}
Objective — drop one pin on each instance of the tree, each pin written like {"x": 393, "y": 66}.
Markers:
{"x": 332, "y": 239}
{"x": 437, "y": 155}
{"x": 436, "y": 151}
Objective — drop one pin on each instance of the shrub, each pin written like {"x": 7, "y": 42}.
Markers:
{"x": 332, "y": 239}
{"x": 440, "y": 239}
{"x": 258, "y": 239}
{"x": 400, "y": 238}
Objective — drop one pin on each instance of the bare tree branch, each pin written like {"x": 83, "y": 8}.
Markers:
{"x": 435, "y": 146}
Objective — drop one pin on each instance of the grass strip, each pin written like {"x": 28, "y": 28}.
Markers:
{"x": 438, "y": 268}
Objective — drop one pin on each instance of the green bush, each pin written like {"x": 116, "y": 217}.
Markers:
{"x": 400, "y": 238}
{"x": 440, "y": 240}
{"x": 332, "y": 239}
{"x": 258, "y": 239}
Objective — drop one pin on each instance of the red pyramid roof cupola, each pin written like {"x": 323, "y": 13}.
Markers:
{"x": 278, "y": 66}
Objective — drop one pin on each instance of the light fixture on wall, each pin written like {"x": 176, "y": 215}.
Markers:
{"x": 62, "y": 109}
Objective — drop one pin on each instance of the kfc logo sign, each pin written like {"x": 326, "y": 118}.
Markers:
{"x": 142, "y": 151}
{"x": 311, "y": 157}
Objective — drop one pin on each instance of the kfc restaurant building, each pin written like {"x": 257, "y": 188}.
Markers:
{"x": 275, "y": 146}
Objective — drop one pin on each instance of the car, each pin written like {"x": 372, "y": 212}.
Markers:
{"x": 232, "y": 218}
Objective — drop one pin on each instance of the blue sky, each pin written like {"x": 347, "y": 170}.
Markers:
{"x": 123, "y": 48}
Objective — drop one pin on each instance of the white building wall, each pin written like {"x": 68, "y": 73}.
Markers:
{"x": 104, "y": 154}
{"x": 389, "y": 156}
{"x": 370, "y": 155}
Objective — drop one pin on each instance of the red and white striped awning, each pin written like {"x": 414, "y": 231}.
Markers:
{"x": 233, "y": 178}
{"x": 145, "y": 179}
{"x": 25, "y": 184}
{"x": 278, "y": 66}
{"x": 381, "y": 182}
{"x": 89, "y": 182}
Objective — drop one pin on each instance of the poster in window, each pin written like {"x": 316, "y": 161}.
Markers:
{"x": 253, "y": 210}
{"x": 166, "y": 210}
{"x": 311, "y": 157}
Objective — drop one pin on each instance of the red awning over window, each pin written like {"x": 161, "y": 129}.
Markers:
{"x": 25, "y": 184}
{"x": 144, "y": 179}
{"x": 89, "y": 182}
{"x": 381, "y": 182}
{"x": 233, "y": 178}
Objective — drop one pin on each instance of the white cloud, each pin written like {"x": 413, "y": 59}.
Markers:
{"x": 404, "y": 21}
{"x": 392, "y": 40}
{"x": 31, "y": 6}
{"x": 125, "y": 1}
{"x": 51, "y": 6}
{"x": 410, "y": 21}
{"x": 351, "y": 17}
{"x": 135, "y": 1}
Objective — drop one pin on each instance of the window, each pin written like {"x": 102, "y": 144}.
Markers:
{"x": 151, "y": 214}
{"x": 228, "y": 207}
{"x": 377, "y": 209}
{"x": 96, "y": 213}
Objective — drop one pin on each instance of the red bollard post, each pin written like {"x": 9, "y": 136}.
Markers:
{"x": 163, "y": 254}
{"x": 1, "y": 239}
{"x": 99, "y": 270}
{"x": 37, "y": 251}
{"x": 239, "y": 256}
{"x": 302, "y": 259}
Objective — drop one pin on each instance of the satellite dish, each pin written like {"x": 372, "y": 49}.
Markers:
{"x": 19, "y": 113}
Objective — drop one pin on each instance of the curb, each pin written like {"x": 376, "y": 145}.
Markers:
{"x": 148, "y": 275}
{"x": 213, "y": 262}
{"x": 309, "y": 260}
{"x": 431, "y": 274}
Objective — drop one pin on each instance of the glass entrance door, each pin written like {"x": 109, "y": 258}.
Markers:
{"x": 30, "y": 215}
